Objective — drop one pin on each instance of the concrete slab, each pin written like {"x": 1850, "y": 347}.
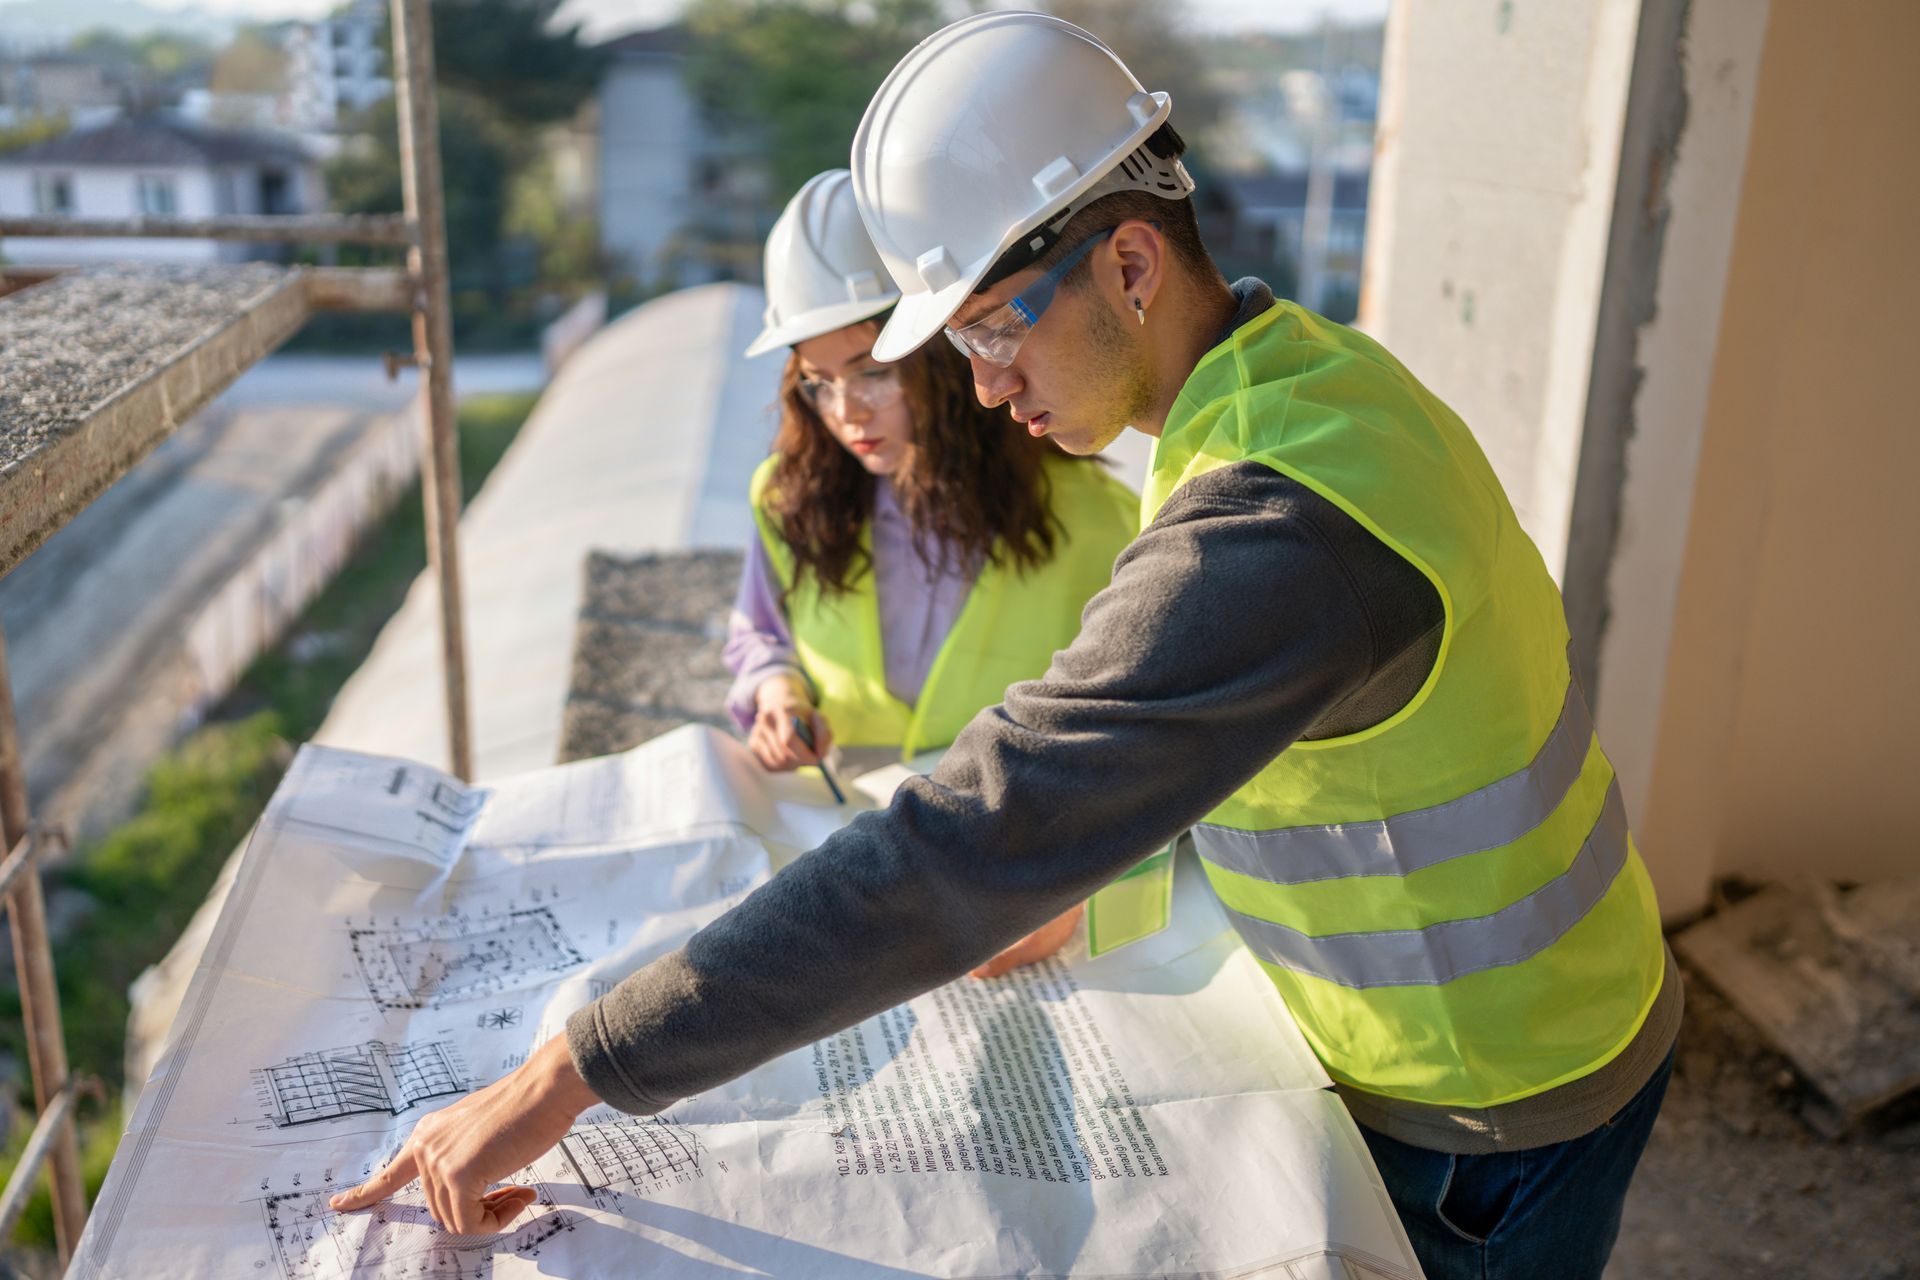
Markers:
{"x": 98, "y": 366}
{"x": 647, "y": 649}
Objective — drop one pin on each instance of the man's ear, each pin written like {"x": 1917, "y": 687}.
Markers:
{"x": 1140, "y": 252}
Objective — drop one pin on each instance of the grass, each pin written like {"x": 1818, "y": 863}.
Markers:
{"x": 143, "y": 881}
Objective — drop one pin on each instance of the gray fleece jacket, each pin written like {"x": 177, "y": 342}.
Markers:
{"x": 1249, "y": 614}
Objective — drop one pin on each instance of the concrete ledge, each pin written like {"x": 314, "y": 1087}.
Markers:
{"x": 98, "y": 366}
{"x": 646, "y": 651}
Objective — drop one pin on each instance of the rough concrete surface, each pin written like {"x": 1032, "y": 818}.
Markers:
{"x": 646, "y": 653}
{"x": 67, "y": 347}
{"x": 1735, "y": 1185}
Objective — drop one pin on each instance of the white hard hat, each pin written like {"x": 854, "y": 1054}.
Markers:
{"x": 997, "y": 126}
{"x": 822, "y": 272}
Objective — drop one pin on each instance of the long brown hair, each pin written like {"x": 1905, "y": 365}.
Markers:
{"x": 975, "y": 485}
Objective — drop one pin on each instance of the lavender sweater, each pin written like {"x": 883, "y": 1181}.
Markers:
{"x": 919, "y": 595}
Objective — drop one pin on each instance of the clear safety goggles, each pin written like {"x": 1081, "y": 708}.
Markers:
{"x": 996, "y": 337}
{"x": 872, "y": 389}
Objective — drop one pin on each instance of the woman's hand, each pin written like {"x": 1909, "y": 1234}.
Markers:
{"x": 773, "y": 739}
{"x": 1035, "y": 947}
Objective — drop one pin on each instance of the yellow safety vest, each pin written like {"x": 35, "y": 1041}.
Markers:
{"x": 1449, "y": 901}
{"x": 1007, "y": 631}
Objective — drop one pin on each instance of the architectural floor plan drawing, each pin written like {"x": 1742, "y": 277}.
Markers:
{"x": 396, "y": 1239}
{"x": 414, "y": 808}
{"x": 362, "y": 1079}
{"x": 632, "y": 1155}
{"x": 429, "y": 964}
{"x": 1148, "y": 1112}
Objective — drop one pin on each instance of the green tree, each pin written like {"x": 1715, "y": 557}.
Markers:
{"x": 503, "y": 74}
{"x": 158, "y": 55}
{"x": 568, "y": 239}
{"x": 476, "y": 155}
{"x": 1151, "y": 37}
{"x": 32, "y": 129}
{"x": 511, "y": 55}
{"x": 795, "y": 75}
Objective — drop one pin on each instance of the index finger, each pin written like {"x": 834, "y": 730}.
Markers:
{"x": 380, "y": 1185}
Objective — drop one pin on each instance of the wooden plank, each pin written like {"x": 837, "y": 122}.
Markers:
{"x": 425, "y": 199}
{"x": 360, "y": 289}
{"x": 1809, "y": 966}
{"x": 97, "y": 366}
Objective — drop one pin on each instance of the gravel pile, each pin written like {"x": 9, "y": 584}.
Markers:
{"x": 69, "y": 344}
{"x": 646, "y": 651}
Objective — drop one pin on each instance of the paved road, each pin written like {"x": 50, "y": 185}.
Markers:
{"x": 361, "y": 382}
{"x": 93, "y": 618}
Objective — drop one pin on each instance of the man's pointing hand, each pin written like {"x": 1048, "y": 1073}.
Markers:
{"x": 462, "y": 1150}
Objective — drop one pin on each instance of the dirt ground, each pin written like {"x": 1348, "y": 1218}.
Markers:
{"x": 1736, "y": 1185}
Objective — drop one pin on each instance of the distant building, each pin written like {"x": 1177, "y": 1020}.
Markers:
{"x": 1276, "y": 119}
{"x": 154, "y": 166}
{"x": 681, "y": 201}
{"x": 1257, "y": 222}
{"x": 59, "y": 84}
{"x": 237, "y": 110}
{"x": 337, "y": 66}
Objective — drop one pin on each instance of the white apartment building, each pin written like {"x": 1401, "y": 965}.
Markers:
{"x": 336, "y": 67}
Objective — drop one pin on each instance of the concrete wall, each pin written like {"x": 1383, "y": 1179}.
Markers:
{"x": 1658, "y": 254}
{"x": 1788, "y": 730}
{"x": 1661, "y": 380}
{"x": 1489, "y": 221}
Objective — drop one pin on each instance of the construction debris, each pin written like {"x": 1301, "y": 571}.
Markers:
{"x": 1833, "y": 979}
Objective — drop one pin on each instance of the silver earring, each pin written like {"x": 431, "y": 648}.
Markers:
{"x": 1140, "y": 311}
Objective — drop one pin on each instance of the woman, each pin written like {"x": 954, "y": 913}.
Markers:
{"x": 918, "y": 553}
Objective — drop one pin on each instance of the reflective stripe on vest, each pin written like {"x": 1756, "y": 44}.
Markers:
{"x": 1454, "y": 948}
{"x": 1495, "y": 815}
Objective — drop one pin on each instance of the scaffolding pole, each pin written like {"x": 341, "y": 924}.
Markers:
{"x": 419, "y": 117}
{"x": 39, "y": 996}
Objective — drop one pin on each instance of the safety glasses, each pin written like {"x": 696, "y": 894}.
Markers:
{"x": 873, "y": 389}
{"x": 996, "y": 337}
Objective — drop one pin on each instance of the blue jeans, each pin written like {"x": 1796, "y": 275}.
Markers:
{"x": 1550, "y": 1211}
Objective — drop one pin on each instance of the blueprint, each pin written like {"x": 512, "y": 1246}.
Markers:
{"x": 395, "y": 939}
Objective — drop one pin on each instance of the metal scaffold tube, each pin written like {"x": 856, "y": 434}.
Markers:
{"x": 39, "y": 996}
{"x": 433, "y": 348}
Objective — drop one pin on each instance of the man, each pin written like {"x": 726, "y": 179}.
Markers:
{"x": 1333, "y": 649}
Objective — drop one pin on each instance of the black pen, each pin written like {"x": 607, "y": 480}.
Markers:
{"x": 805, "y": 730}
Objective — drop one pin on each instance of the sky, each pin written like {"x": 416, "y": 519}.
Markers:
{"x": 609, "y": 17}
